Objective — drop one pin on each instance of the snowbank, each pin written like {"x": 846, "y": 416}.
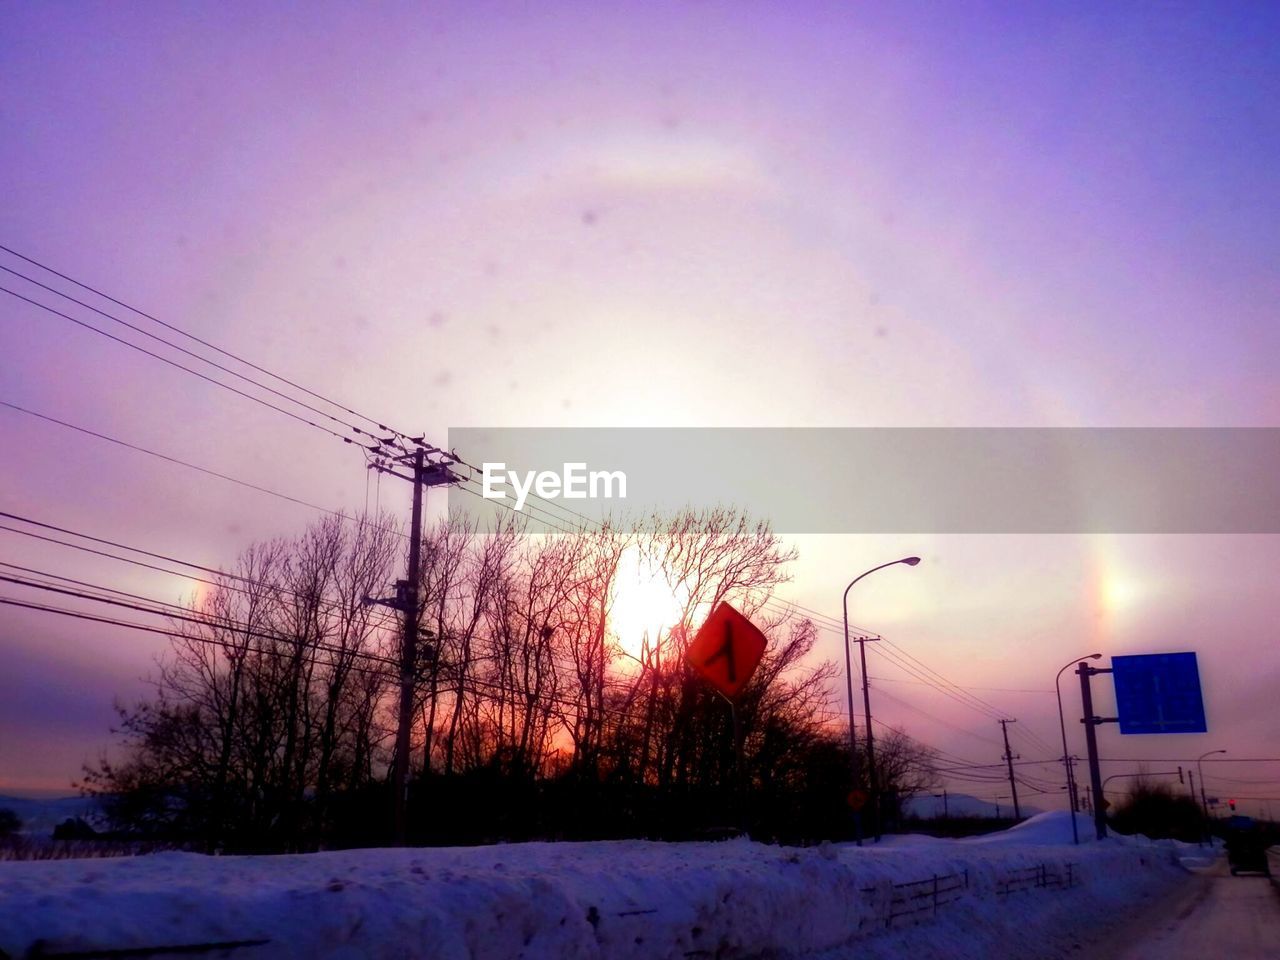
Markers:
{"x": 623, "y": 900}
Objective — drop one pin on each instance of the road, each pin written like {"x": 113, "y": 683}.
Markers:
{"x": 1219, "y": 916}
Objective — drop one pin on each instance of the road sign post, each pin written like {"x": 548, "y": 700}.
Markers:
{"x": 1091, "y": 721}
{"x": 1155, "y": 693}
{"x": 725, "y": 653}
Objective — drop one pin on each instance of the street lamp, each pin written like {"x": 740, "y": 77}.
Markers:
{"x": 1066, "y": 759}
{"x": 1129, "y": 776}
{"x": 866, "y": 694}
{"x": 1204, "y": 801}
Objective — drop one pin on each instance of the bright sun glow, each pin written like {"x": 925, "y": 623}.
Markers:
{"x": 644, "y": 603}
{"x": 1119, "y": 593}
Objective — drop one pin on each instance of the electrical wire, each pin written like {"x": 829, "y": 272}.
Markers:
{"x": 204, "y": 343}
{"x": 179, "y": 366}
{"x": 171, "y": 459}
{"x": 189, "y": 353}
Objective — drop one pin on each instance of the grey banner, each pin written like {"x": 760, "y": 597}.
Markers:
{"x": 873, "y": 480}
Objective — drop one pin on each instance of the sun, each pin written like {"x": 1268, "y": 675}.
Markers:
{"x": 645, "y": 603}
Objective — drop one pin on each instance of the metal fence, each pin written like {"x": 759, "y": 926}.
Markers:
{"x": 1042, "y": 875}
{"x": 913, "y": 898}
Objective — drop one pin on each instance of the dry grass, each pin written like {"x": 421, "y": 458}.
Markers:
{"x": 21, "y": 848}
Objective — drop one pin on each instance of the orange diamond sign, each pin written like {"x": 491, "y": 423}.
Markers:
{"x": 726, "y": 650}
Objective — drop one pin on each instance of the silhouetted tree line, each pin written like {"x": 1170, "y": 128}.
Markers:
{"x": 1156, "y": 810}
{"x": 272, "y": 723}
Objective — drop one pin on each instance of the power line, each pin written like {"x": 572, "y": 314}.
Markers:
{"x": 230, "y": 581}
{"x": 204, "y": 343}
{"x": 939, "y": 720}
{"x": 170, "y": 459}
{"x": 938, "y": 751}
{"x": 345, "y": 517}
{"x": 967, "y": 686}
{"x": 977, "y": 702}
{"x": 224, "y": 574}
{"x": 926, "y": 675}
{"x": 183, "y": 613}
{"x": 471, "y": 681}
{"x": 903, "y": 665}
{"x": 396, "y": 434}
{"x": 189, "y": 353}
{"x": 226, "y": 644}
{"x": 1206, "y": 760}
{"x": 980, "y": 704}
{"x": 119, "y": 546}
{"x": 179, "y": 366}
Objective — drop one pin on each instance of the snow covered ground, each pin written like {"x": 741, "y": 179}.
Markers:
{"x": 1218, "y": 916}
{"x": 1000, "y": 895}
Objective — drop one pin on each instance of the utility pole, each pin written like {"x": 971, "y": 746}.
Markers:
{"x": 872, "y": 777}
{"x": 422, "y": 474}
{"x": 1008, "y": 757}
{"x": 408, "y": 598}
{"x": 1091, "y": 721}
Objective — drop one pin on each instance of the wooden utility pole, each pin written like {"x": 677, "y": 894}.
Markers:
{"x": 422, "y": 474}
{"x": 1008, "y": 756}
{"x": 407, "y": 597}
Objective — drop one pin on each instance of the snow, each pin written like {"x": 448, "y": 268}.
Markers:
{"x": 1217, "y": 916}
{"x": 1045, "y": 829}
{"x": 623, "y": 900}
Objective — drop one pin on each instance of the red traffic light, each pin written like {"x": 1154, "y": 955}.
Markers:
{"x": 1232, "y": 803}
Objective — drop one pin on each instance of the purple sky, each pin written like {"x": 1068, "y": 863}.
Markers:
{"x": 643, "y": 214}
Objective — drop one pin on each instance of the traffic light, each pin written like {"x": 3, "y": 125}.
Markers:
{"x": 1232, "y": 804}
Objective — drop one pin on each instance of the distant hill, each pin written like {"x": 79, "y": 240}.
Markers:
{"x": 928, "y": 807}
{"x": 40, "y": 816}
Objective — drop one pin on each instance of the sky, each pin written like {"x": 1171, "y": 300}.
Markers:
{"x": 658, "y": 214}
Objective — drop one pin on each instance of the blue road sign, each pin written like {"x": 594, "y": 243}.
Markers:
{"x": 1158, "y": 693}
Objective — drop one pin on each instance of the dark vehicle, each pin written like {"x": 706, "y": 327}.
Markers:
{"x": 1246, "y": 847}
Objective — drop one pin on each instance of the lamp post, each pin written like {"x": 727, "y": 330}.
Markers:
{"x": 1130, "y": 776}
{"x": 1066, "y": 759}
{"x": 1204, "y": 800}
{"x": 866, "y": 695}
